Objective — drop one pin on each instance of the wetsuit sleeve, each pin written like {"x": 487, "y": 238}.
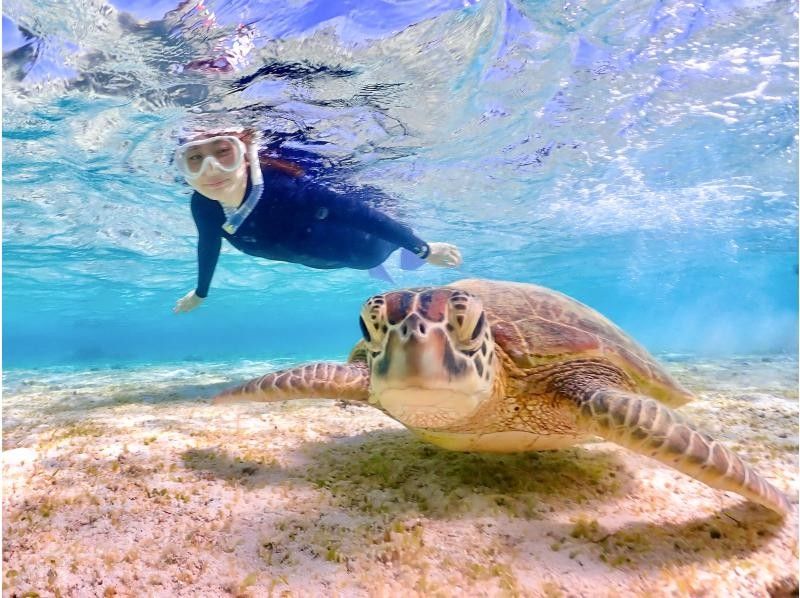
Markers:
{"x": 368, "y": 219}
{"x": 209, "y": 243}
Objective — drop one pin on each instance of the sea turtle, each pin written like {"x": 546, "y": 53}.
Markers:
{"x": 494, "y": 366}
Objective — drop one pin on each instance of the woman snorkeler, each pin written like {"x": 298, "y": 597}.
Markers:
{"x": 268, "y": 208}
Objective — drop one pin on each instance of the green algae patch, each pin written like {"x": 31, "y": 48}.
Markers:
{"x": 82, "y": 429}
{"x": 397, "y": 475}
{"x": 587, "y": 529}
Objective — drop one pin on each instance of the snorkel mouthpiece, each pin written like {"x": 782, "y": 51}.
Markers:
{"x": 236, "y": 219}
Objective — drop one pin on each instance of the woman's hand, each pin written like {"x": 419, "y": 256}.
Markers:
{"x": 443, "y": 254}
{"x": 187, "y": 303}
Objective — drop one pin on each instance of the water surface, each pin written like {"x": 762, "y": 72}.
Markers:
{"x": 640, "y": 156}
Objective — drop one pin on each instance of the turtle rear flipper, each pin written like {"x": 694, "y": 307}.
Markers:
{"x": 648, "y": 427}
{"x": 311, "y": 381}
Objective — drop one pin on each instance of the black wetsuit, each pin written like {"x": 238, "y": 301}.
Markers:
{"x": 298, "y": 220}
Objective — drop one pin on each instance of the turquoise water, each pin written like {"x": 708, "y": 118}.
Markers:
{"x": 639, "y": 156}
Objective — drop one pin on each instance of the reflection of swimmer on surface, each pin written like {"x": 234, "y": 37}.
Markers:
{"x": 269, "y": 208}
{"x": 229, "y": 54}
{"x": 183, "y": 33}
{"x": 230, "y": 57}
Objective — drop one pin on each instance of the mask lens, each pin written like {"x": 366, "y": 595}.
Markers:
{"x": 226, "y": 153}
{"x": 193, "y": 160}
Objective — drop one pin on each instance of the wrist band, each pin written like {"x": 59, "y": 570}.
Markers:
{"x": 424, "y": 251}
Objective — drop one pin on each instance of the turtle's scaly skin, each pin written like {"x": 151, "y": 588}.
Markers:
{"x": 504, "y": 367}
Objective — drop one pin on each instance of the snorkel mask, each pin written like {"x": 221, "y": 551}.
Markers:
{"x": 225, "y": 152}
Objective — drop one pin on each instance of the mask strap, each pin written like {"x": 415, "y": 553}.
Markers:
{"x": 236, "y": 219}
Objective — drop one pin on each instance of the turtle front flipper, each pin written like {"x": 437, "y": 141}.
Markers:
{"x": 648, "y": 427}
{"x": 311, "y": 381}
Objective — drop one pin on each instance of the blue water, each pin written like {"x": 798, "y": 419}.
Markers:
{"x": 639, "y": 156}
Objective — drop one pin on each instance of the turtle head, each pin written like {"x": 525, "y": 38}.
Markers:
{"x": 431, "y": 355}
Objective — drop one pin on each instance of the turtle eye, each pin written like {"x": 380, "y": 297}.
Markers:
{"x": 468, "y": 323}
{"x": 364, "y": 330}
{"x": 478, "y": 330}
{"x": 472, "y": 334}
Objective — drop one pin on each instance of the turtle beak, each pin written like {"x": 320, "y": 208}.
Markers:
{"x": 419, "y": 355}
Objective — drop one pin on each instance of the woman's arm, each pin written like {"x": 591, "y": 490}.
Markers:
{"x": 366, "y": 218}
{"x": 209, "y": 241}
{"x": 357, "y": 214}
{"x": 208, "y": 250}
{"x": 209, "y": 245}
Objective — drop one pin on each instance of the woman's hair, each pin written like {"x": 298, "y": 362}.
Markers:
{"x": 250, "y": 136}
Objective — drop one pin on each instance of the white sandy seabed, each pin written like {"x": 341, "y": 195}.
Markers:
{"x": 127, "y": 482}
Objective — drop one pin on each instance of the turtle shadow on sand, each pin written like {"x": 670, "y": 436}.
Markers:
{"x": 391, "y": 471}
{"x": 389, "y": 475}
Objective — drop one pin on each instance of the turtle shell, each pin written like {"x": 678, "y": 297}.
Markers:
{"x": 535, "y": 326}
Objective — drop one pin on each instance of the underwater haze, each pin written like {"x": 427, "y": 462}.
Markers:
{"x": 640, "y": 156}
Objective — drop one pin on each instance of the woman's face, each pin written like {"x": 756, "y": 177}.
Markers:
{"x": 213, "y": 182}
